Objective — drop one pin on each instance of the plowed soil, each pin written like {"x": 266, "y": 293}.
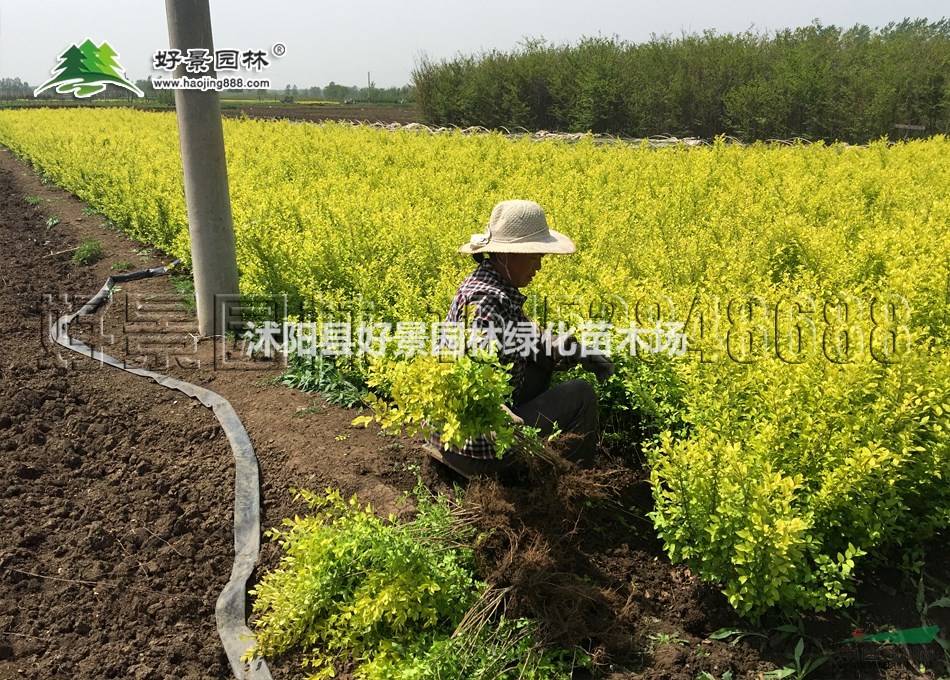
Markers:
{"x": 115, "y": 528}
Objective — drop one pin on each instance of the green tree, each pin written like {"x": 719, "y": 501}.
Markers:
{"x": 335, "y": 92}
{"x": 817, "y": 82}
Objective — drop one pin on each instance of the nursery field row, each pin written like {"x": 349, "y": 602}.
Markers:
{"x": 821, "y": 445}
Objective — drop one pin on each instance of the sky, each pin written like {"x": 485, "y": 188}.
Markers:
{"x": 342, "y": 41}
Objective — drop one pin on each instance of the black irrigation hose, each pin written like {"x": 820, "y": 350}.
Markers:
{"x": 229, "y": 610}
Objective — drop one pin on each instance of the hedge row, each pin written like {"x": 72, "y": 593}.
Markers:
{"x": 817, "y": 82}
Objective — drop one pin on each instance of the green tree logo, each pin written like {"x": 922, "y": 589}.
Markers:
{"x": 86, "y": 70}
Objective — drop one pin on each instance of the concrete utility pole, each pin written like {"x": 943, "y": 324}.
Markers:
{"x": 206, "y": 175}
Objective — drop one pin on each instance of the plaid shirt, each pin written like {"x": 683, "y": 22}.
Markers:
{"x": 486, "y": 302}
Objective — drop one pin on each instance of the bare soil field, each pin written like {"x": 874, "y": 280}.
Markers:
{"x": 115, "y": 528}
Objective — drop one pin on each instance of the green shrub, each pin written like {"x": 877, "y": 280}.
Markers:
{"x": 352, "y": 586}
{"x": 89, "y": 252}
{"x": 462, "y": 397}
{"x": 795, "y": 472}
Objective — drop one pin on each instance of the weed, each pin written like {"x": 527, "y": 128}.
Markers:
{"x": 35, "y": 200}
{"x": 314, "y": 407}
{"x": 705, "y": 675}
{"x": 122, "y": 266}
{"x": 269, "y": 381}
{"x": 736, "y": 634}
{"x": 185, "y": 286}
{"x": 89, "y": 210}
{"x": 52, "y": 222}
{"x": 798, "y": 669}
{"x": 88, "y": 252}
{"x": 319, "y": 374}
{"x": 924, "y": 607}
{"x": 659, "y": 639}
{"x": 342, "y": 437}
{"x": 414, "y": 468}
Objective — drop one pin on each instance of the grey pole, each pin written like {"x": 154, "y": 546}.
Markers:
{"x": 206, "y": 176}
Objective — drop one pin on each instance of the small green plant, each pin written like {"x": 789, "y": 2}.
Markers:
{"x": 338, "y": 384}
{"x": 313, "y": 407}
{"x": 658, "y": 639}
{"x": 88, "y": 252}
{"x": 706, "y": 675}
{"x": 184, "y": 285}
{"x": 342, "y": 437}
{"x": 122, "y": 266}
{"x": 737, "y": 634}
{"x": 924, "y": 607}
{"x": 89, "y": 210}
{"x": 408, "y": 467}
{"x": 269, "y": 381}
{"x": 799, "y": 669}
{"x": 52, "y": 222}
{"x": 35, "y": 200}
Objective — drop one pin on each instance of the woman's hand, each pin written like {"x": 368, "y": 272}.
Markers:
{"x": 515, "y": 418}
{"x": 598, "y": 364}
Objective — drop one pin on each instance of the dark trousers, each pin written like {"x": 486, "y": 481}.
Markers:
{"x": 570, "y": 406}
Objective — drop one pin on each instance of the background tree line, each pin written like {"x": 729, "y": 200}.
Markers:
{"x": 291, "y": 93}
{"x": 816, "y": 82}
{"x": 340, "y": 93}
{"x": 14, "y": 88}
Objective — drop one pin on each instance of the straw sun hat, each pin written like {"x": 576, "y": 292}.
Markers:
{"x": 518, "y": 227}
